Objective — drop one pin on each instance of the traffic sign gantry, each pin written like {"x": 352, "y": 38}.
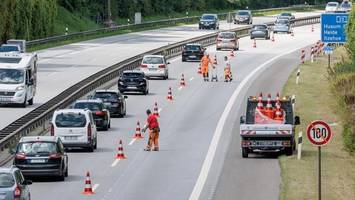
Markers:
{"x": 319, "y": 133}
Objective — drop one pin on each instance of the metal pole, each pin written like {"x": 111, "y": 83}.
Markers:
{"x": 319, "y": 173}
{"x": 328, "y": 60}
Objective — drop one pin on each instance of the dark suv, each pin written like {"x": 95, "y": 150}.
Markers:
{"x": 209, "y": 21}
{"x": 133, "y": 81}
{"x": 115, "y": 101}
{"x": 99, "y": 111}
{"x": 243, "y": 17}
{"x": 41, "y": 156}
{"x": 192, "y": 52}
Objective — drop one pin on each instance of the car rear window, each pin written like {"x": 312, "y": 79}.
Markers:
{"x": 243, "y": 13}
{"x": 282, "y": 21}
{"x": 259, "y": 27}
{"x": 70, "y": 120}
{"x": 332, "y": 4}
{"x": 285, "y": 14}
{"x": 208, "y": 17}
{"x": 153, "y": 60}
{"x": 93, "y": 106}
{"x": 6, "y": 180}
{"x": 37, "y": 147}
{"x": 193, "y": 47}
{"x": 133, "y": 75}
{"x": 345, "y": 5}
{"x": 106, "y": 95}
{"x": 227, "y": 35}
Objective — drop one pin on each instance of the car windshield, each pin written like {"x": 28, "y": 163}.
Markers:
{"x": 93, "y": 106}
{"x": 243, "y": 13}
{"x": 133, "y": 75}
{"x": 286, "y": 14}
{"x": 260, "y": 27}
{"x": 282, "y": 21}
{"x": 332, "y": 4}
{"x": 8, "y": 48}
{"x": 208, "y": 17}
{"x": 70, "y": 120}
{"x": 106, "y": 96}
{"x": 193, "y": 47}
{"x": 11, "y": 76}
{"x": 345, "y": 5}
{"x": 6, "y": 180}
{"x": 227, "y": 35}
{"x": 37, "y": 147}
{"x": 153, "y": 60}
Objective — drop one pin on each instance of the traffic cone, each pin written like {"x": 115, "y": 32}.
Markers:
{"x": 273, "y": 37}
{"x": 278, "y": 112}
{"x": 88, "y": 187}
{"x": 231, "y": 54}
{"x": 199, "y": 69}
{"x": 215, "y": 60}
{"x": 170, "y": 95}
{"x": 182, "y": 81}
{"x": 254, "y": 43}
{"x": 156, "y": 109}
{"x": 269, "y": 110}
{"x": 260, "y": 104}
{"x": 277, "y": 97}
{"x": 120, "y": 155}
{"x": 138, "y": 133}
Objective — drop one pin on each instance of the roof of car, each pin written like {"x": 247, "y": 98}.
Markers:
{"x": 227, "y": 32}
{"x": 39, "y": 138}
{"x": 72, "y": 111}
{"x": 104, "y": 91}
{"x": 158, "y": 56}
{"x": 244, "y": 11}
{"x": 133, "y": 71}
{"x": 193, "y": 44}
{"x": 89, "y": 101}
{"x": 8, "y": 169}
{"x": 209, "y": 14}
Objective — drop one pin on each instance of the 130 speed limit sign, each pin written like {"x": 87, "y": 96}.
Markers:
{"x": 319, "y": 133}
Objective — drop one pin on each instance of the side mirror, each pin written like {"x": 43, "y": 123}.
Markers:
{"x": 168, "y": 63}
{"x": 27, "y": 182}
{"x": 126, "y": 97}
{"x": 242, "y": 119}
{"x": 297, "y": 120}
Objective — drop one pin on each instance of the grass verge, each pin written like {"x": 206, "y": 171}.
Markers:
{"x": 314, "y": 100}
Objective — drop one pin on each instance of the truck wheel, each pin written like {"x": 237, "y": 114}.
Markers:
{"x": 30, "y": 102}
{"x": 23, "y": 105}
{"x": 289, "y": 151}
{"x": 245, "y": 152}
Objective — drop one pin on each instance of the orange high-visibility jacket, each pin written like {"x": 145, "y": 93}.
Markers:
{"x": 205, "y": 61}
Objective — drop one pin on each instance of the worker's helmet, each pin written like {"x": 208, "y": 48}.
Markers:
{"x": 148, "y": 112}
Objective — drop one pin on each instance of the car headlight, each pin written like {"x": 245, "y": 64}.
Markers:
{"x": 20, "y": 88}
{"x": 120, "y": 82}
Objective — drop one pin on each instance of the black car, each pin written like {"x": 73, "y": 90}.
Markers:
{"x": 115, "y": 101}
{"x": 209, "y": 21}
{"x": 243, "y": 17}
{"x": 133, "y": 81}
{"x": 192, "y": 52}
{"x": 41, "y": 156}
{"x": 99, "y": 111}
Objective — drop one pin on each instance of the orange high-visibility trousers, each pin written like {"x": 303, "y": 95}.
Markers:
{"x": 153, "y": 139}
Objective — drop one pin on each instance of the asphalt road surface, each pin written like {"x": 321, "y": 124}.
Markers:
{"x": 199, "y": 140}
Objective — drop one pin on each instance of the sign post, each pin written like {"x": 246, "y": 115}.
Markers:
{"x": 319, "y": 134}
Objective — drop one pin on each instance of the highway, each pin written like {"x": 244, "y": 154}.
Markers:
{"x": 200, "y": 150}
{"x": 61, "y": 67}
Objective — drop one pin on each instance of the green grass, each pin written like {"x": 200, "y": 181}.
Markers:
{"x": 314, "y": 100}
{"x": 276, "y": 12}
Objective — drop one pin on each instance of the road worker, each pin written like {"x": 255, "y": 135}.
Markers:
{"x": 227, "y": 70}
{"x": 153, "y": 125}
{"x": 205, "y": 62}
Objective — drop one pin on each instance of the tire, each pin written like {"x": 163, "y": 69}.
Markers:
{"x": 66, "y": 172}
{"x": 62, "y": 176}
{"x": 251, "y": 38}
{"x": 289, "y": 151}
{"x": 91, "y": 149}
{"x": 30, "y": 102}
{"x": 95, "y": 145}
{"x": 23, "y": 105}
{"x": 245, "y": 152}
{"x": 105, "y": 128}
{"x": 109, "y": 124}
{"x": 183, "y": 60}
{"x": 146, "y": 92}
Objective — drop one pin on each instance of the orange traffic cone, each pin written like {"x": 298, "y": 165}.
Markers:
{"x": 215, "y": 60}
{"x": 88, "y": 187}
{"x": 254, "y": 43}
{"x": 170, "y": 95}
{"x": 231, "y": 54}
{"x": 138, "y": 133}
{"x": 260, "y": 105}
{"x": 182, "y": 81}
{"x": 278, "y": 112}
{"x": 269, "y": 110}
{"x": 156, "y": 109}
{"x": 199, "y": 69}
{"x": 120, "y": 155}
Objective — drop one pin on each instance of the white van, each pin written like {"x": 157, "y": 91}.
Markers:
{"x": 75, "y": 127}
{"x": 18, "y": 78}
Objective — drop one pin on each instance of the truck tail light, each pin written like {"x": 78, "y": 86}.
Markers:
{"x": 17, "y": 193}
{"x": 100, "y": 113}
{"x": 54, "y": 156}
{"x": 144, "y": 66}
{"x": 161, "y": 66}
{"x": 286, "y": 143}
{"x": 246, "y": 143}
{"x": 20, "y": 156}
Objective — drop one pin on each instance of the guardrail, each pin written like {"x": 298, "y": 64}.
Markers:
{"x": 173, "y": 21}
{"x": 39, "y": 117}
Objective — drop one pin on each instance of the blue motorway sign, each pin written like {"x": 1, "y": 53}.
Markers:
{"x": 333, "y": 27}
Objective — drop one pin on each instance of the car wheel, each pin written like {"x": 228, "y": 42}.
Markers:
{"x": 251, "y": 38}
{"x": 91, "y": 149}
{"x": 23, "y": 105}
{"x": 109, "y": 124}
{"x": 183, "y": 59}
{"x": 30, "y": 102}
{"x": 146, "y": 92}
{"x": 105, "y": 128}
{"x": 62, "y": 176}
{"x": 245, "y": 152}
{"x": 66, "y": 172}
{"x": 95, "y": 145}
{"x": 289, "y": 151}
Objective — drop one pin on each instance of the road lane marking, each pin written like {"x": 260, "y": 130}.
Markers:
{"x": 192, "y": 78}
{"x": 115, "y": 162}
{"x": 175, "y": 59}
{"x": 95, "y": 187}
{"x": 132, "y": 141}
{"x": 207, "y": 163}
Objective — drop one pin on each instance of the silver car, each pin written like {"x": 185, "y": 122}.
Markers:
{"x": 13, "y": 185}
{"x": 227, "y": 40}
{"x": 282, "y": 25}
{"x": 260, "y": 31}
{"x": 155, "y": 66}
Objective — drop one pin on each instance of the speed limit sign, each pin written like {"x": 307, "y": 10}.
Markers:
{"x": 319, "y": 133}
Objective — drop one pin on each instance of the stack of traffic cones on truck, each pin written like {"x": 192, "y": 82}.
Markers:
{"x": 272, "y": 110}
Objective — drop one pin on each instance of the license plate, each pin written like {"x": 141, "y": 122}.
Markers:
{"x": 152, "y": 69}
{"x": 70, "y": 138}
{"x": 38, "y": 161}
{"x": 267, "y": 143}
{"x": 192, "y": 56}
{"x": 131, "y": 87}
{"x": 107, "y": 104}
